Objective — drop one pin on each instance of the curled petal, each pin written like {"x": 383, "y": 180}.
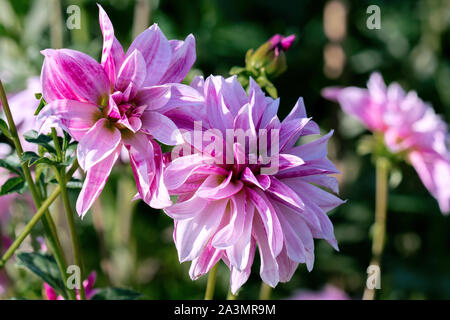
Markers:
{"x": 161, "y": 128}
{"x": 132, "y": 74}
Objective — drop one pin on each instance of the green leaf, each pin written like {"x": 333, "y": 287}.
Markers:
{"x": 41, "y": 139}
{"x": 38, "y": 95}
{"x": 115, "y": 294}
{"x": 4, "y": 128}
{"x": 11, "y": 166}
{"x": 14, "y": 184}
{"x": 29, "y": 157}
{"x": 45, "y": 267}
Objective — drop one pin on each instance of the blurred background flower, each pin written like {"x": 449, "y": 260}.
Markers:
{"x": 132, "y": 246}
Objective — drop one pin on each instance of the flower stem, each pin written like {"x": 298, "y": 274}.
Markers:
{"x": 265, "y": 291}
{"x": 210, "y": 286}
{"x": 379, "y": 232}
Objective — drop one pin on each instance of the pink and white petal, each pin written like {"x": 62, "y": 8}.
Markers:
{"x": 269, "y": 271}
{"x": 232, "y": 231}
{"x": 313, "y": 150}
{"x": 161, "y": 128}
{"x": 97, "y": 144}
{"x": 159, "y": 194}
{"x": 94, "y": 182}
{"x": 217, "y": 187}
{"x": 157, "y": 53}
{"x": 112, "y": 53}
{"x": 285, "y": 193}
{"x": 73, "y": 75}
{"x": 286, "y": 266}
{"x": 74, "y": 116}
{"x": 240, "y": 253}
{"x": 186, "y": 209}
{"x": 268, "y": 216}
{"x": 132, "y": 74}
{"x": 183, "y": 57}
{"x": 240, "y": 276}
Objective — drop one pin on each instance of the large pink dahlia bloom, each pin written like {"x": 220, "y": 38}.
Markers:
{"x": 121, "y": 102}
{"x": 409, "y": 126}
{"x": 242, "y": 183}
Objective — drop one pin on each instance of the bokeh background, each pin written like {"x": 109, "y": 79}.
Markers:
{"x": 131, "y": 246}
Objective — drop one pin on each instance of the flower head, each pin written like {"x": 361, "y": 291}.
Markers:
{"x": 247, "y": 185}
{"x": 409, "y": 126}
{"x": 124, "y": 101}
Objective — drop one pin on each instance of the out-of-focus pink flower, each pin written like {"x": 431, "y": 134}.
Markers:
{"x": 5, "y": 242}
{"x": 88, "y": 286}
{"x": 329, "y": 292}
{"x": 409, "y": 126}
{"x": 235, "y": 194}
{"x": 23, "y": 104}
{"x": 124, "y": 101}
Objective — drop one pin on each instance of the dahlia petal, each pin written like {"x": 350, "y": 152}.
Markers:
{"x": 322, "y": 198}
{"x": 72, "y": 75}
{"x": 286, "y": 267}
{"x": 239, "y": 277}
{"x": 269, "y": 271}
{"x": 186, "y": 209}
{"x": 155, "y": 49}
{"x": 261, "y": 181}
{"x": 257, "y": 100}
{"x": 181, "y": 168}
{"x": 97, "y": 144}
{"x": 204, "y": 263}
{"x": 161, "y": 128}
{"x": 74, "y": 116}
{"x": 233, "y": 93}
{"x": 288, "y": 161}
{"x": 95, "y": 181}
{"x": 154, "y": 97}
{"x": 270, "y": 112}
{"x": 314, "y": 150}
{"x": 214, "y": 188}
{"x": 192, "y": 235}
{"x": 146, "y": 163}
{"x": 231, "y": 233}
{"x": 112, "y": 53}
{"x": 132, "y": 74}
{"x": 218, "y": 114}
{"x": 241, "y": 252}
{"x": 183, "y": 57}
{"x": 285, "y": 193}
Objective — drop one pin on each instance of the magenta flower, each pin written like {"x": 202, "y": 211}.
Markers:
{"x": 88, "y": 285}
{"x": 409, "y": 126}
{"x": 124, "y": 101}
{"x": 237, "y": 192}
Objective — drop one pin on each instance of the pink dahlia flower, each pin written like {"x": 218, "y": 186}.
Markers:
{"x": 409, "y": 126}
{"x": 121, "y": 102}
{"x": 246, "y": 185}
{"x": 88, "y": 286}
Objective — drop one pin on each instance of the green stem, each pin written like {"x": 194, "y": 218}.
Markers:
{"x": 379, "y": 231}
{"x": 210, "y": 286}
{"x": 61, "y": 177}
{"x": 265, "y": 291}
